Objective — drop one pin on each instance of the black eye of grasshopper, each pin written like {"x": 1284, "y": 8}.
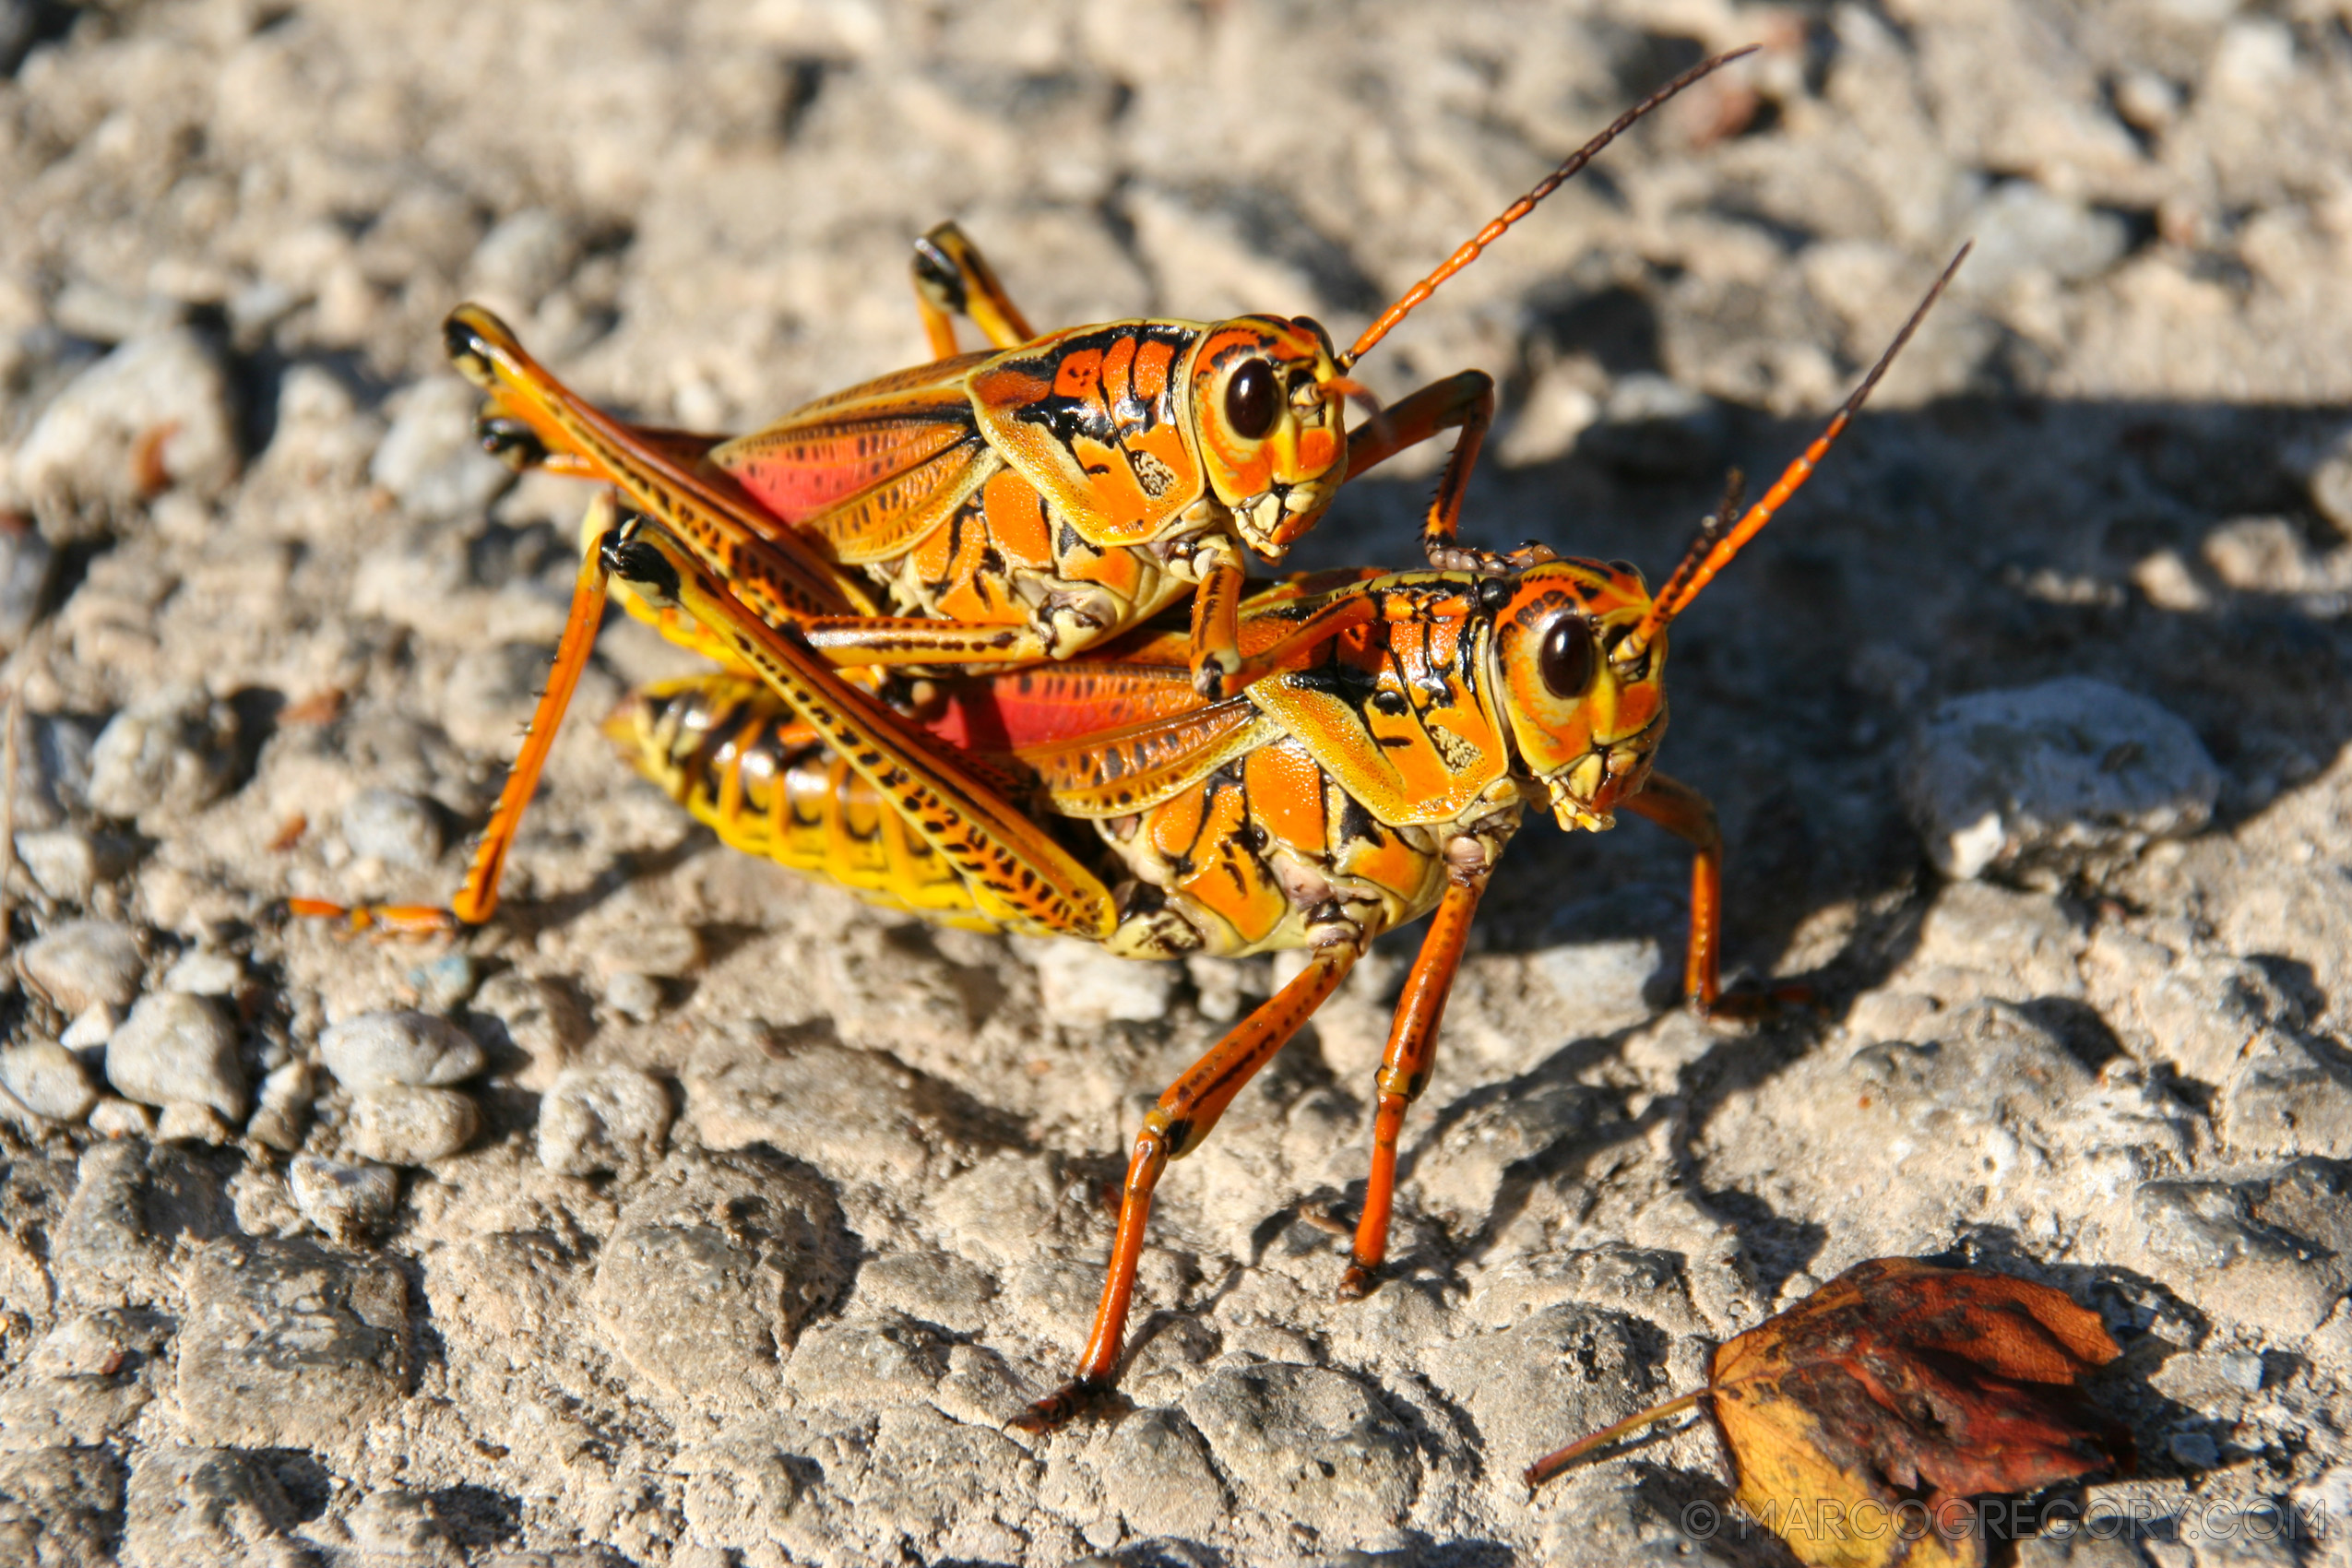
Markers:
{"x": 1250, "y": 400}
{"x": 1565, "y": 660}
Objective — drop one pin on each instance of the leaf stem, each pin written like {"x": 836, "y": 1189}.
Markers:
{"x": 1552, "y": 1463}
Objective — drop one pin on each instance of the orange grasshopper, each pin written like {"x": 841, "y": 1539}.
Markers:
{"x": 1374, "y": 776}
{"x": 1030, "y": 500}
{"x": 1025, "y": 503}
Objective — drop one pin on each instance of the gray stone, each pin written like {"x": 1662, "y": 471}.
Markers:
{"x": 714, "y": 1268}
{"x": 2287, "y": 1095}
{"x": 285, "y": 1106}
{"x": 178, "y": 1047}
{"x": 535, "y": 1019}
{"x": 603, "y": 1119}
{"x": 1081, "y": 986}
{"x": 524, "y": 259}
{"x": 2331, "y": 482}
{"x": 82, "y": 449}
{"x": 444, "y": 984}
{"x": 54, "y": 1506}
{"x": 2025, "y": 229}
{"x": 131, "y": 1205}
{"x": 84, "y": 962}
{"x": 348, "y": 1201}
{"x": 91, "y": 1028}
{"x": 82, "y": 1384}
{"x": 429, "y": 459}
{"x": 63, "y": 861}
{"x": 185, "y": 1122}
{"x": 2273, "y": 1252}
{"x": 204, "y": 1508}
{"x": 1568, "y": 1368}
{"x": 378, "y": 1051}
{"x": 928, "y": 1287}
{"x": 633, "y": 995}
{"x": 741, "y": 1487}
{"x": 1305, "y": 1443}
{"x": 394, "y": 827}
{"x": 2040, "y": 784}
{"x": 48, "y": 1080}
{"x": 396, "y": 1522}
{"x": 1461, "y": 1173}
{"x": 200, "y": 973}
{"x": 401, "y": 1125}
{"x": 117, "y": 1118}
{"x": 168, "y": 754}
{"x": 287, "y": 1346}
{"x": 853, "y": 1115}
{"x": 1157, "y": 1475}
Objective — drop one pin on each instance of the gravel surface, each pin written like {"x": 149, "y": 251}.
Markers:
{"x": 752, "y": 1215}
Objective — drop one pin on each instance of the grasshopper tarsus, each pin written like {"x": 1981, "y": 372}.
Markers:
{"x": 1079, "y": 1397}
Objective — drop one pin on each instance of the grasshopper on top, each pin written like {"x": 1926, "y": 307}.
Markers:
{"x": 1028, "y": 501}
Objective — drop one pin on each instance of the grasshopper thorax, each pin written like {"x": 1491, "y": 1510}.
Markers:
{"x": 1584, "y": 724}
{"x": 1266, "y": 394}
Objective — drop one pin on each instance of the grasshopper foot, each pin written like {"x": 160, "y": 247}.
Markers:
{"x": 1360, "y": 1280}
{"x": 1079, "y": 1397}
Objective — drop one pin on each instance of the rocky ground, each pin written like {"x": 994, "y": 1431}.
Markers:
{"x": 691, "y": 1214}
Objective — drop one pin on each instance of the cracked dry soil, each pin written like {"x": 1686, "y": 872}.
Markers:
{"x": 692, "y": 1214}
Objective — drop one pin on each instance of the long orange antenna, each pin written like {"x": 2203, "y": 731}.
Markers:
{"x": 1478, "y": 241}
{"x": 1714, "y": 547}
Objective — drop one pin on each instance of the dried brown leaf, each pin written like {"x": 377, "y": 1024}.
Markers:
{"x": 1861, "y": 1420}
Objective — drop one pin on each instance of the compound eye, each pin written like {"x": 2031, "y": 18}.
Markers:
{"x": 1566, "y": 659}
{"x": 1250, "y": 400}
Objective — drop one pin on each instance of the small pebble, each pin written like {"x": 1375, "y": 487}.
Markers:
{"x": 381, "y": 1049}
{"x": 205, "y": 974}
{"x": 178, "y": 1047}
{"x": 1082, "y": 985}
{"x": 285, "y": 1106}
{"x": 394, "y": 827}
{"x": 2240, "y": 1368}
{"x": 602, "y": 1119}
{"x": 2037, "y": 784}
{"x": 171, "y": 753}
{"x": 430, "y": 460}
{"x": 49, "y": 1080}
{"x": 91, "y": 1028}
{"x": 113, "y": 1117}
{"x": 633, "y": 995}
{"x": 405, "y": 1125}
{"x": 2195, "y": 1450}
{"x": 665, "y": 951}
{"x": 172, "y": 379}
{"x": 63, "y": 861}
{"x": 444, "y": 984}
{"x": 184, "y": 1121}
{"x": 349, "y": 1200}
{"x": 84, "y": 962}
{"x": 396, "y": 1523}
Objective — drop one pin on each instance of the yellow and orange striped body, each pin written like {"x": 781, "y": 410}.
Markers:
{"x": 1324, "y": 805}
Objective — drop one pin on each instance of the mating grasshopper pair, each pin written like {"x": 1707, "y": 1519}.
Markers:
{"x": 1304, "y": 769}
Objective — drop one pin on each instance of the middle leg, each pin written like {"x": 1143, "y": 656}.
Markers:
{"x": 1175, "y": 1127}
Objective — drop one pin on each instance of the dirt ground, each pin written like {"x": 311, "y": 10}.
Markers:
{"x": 720, "y": 1220}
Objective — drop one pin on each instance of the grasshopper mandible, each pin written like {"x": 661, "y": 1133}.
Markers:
{"x": 1374, "y": 776}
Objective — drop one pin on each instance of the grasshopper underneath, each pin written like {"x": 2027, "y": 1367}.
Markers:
{"x": 1374, "y": 775}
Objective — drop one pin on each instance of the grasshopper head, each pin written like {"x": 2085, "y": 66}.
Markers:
{"x": 1266, "y": 395}
{"x": 1586, "y": 723}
